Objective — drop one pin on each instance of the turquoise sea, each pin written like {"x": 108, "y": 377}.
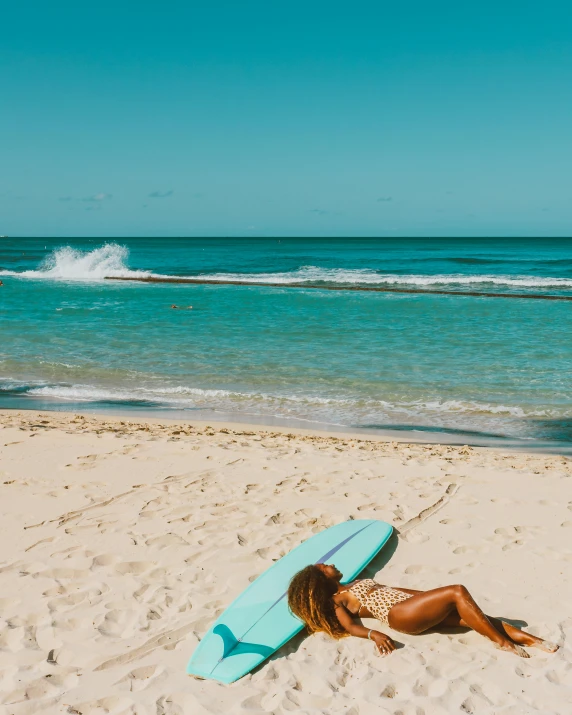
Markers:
{"x": 474, "y": 367}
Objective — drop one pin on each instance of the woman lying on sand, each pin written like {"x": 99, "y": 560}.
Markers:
{"x": 316, "y": 596}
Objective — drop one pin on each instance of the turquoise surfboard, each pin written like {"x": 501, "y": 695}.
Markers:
{"x": 259, "y": 621}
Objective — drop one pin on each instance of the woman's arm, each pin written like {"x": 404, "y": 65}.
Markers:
{"x": 384, "y": 643}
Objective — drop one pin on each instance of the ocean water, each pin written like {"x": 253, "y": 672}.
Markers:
{"x": 474, "y": 367}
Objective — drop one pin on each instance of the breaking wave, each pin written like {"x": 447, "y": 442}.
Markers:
{"x": 69, "y": 264}
{"x": 315, "y": 274}
{"x": 110, "y": 261}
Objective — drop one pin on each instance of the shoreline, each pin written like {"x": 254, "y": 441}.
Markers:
{"x": 281, "y": 425}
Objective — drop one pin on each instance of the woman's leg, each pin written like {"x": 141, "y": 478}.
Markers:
{"x": 431, "y": 608}
{"x": 517, "y": 635}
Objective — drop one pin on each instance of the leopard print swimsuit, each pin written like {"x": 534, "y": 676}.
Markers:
{"x": 377, "y": 599}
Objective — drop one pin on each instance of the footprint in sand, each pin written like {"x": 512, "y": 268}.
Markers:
{"x": 104, "y": 560}
{"x": 265, "y": 553}
{"x": 512, "y": 531}
{"x": 64, "y": 551}
{"x": 166, "y": 540}
{"x": 547, "y": 502}
{"x": 505, "y": 502}
{"x": 134, "y": 567}
{"x": 63, "y": 574}
{"x": 88, "y": 462}
{"x": 415, "y": 536}
{"x": 112, "y": 705}
{"x": 512, "y": 537}
{"x": 119, "y": 623}
{"x": 390, "y": 691}
{"x": 7, "y": 605}
{"x": 464, "y": 569}
{"x": 66, "y": 602}
{"x": 470, "y": 549}
{"x": 458, "y": 523}
{"x": 365, "y": 507}
{"x": 39, "y": 689}
{"x": 11, "y": 639}
{"x": 417, "y": 568}
{"x": 513, "y": 545}
{"x": 468, "y": 500}
{"x": 550, "y": 553}
{"x": 140, "y": 678}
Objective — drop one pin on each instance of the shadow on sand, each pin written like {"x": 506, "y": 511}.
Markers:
{"x": 370, "y": 571}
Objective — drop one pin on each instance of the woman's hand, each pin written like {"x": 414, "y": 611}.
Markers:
{"x": 383, "y": 643}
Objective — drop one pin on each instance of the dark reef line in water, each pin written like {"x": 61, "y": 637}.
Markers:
{"x": 371, "y": 289}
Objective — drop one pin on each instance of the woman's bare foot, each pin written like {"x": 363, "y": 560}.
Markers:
{"x": 513, "y": 648}
{"x": 546, "y": 646}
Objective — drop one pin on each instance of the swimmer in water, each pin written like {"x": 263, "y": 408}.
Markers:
{"x": 178, "y": 307}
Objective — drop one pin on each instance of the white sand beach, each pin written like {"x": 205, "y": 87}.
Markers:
{"x": 122, "y": 540}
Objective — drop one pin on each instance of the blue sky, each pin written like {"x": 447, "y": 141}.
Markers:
{"x": 286, "y": 118}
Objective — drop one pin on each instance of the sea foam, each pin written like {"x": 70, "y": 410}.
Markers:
{"x": 227, "y": 399}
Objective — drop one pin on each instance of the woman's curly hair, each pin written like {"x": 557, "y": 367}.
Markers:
{"x": 310, "y": 598}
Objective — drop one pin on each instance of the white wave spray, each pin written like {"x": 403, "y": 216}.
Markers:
{"x": 69, "y": 264}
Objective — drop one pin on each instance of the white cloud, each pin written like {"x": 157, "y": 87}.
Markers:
{"x": 97, "y": 197}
